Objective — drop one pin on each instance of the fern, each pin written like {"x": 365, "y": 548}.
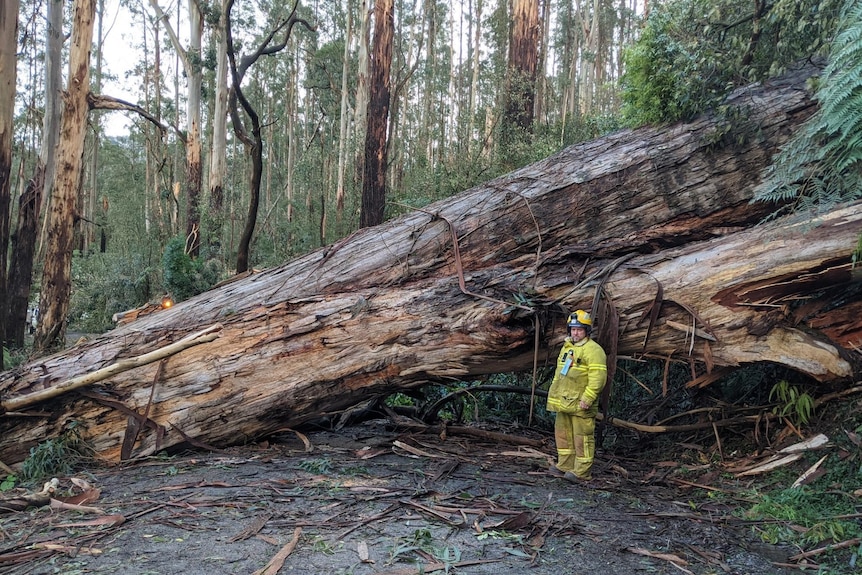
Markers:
{"x": 820, "y": 166}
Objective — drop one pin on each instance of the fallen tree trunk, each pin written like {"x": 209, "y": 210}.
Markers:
{"x": 659, "y": 218}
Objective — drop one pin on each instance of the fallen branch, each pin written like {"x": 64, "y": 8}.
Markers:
{"x": 826, "y": 549}
{"x": 617, "y": 422}
{"x": 473, "y": 432}
{"x": 429, "y": 413}
{"x": 205, "y": 335}
{"x": 277, "y": 561}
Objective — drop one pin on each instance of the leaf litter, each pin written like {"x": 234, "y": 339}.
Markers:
{"x": 373, "y": 500}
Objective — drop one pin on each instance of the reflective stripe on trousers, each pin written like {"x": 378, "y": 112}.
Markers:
{"x": 576, "y": 443}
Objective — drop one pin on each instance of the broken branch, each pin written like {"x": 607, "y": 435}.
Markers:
{"x": 205, "y": 335}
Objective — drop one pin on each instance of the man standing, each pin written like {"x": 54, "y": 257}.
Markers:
{"x": 582, "y": 371}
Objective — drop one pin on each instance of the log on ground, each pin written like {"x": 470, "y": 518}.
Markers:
{"x": 456, "y": 290}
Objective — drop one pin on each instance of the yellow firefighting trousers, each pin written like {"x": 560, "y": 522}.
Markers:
{"x": 576, "y": 444}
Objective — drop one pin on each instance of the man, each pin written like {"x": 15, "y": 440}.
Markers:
{"x": 582, "y": 371}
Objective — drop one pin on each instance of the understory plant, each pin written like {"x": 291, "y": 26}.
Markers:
{"x": 56, "y": 457}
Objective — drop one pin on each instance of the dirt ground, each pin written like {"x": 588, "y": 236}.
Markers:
{"x": 372, "y": 500}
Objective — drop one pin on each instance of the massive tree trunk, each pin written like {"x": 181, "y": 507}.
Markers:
{"x": 457, "y": 289}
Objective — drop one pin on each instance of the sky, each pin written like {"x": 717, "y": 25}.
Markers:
{"x": 119, "y": 58}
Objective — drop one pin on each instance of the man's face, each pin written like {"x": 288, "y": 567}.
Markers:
{"x": 577, "y": 333}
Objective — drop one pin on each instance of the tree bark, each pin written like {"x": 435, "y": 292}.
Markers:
{"x": 523, "y": 66}
{"x": 454, "y": 291}
{"x": 376, "y": 150}
{"x": 218, "y": 154}
{"x": 8, "y": 64}
{"x": 190, "y": 58}
{"x": 57, "y": 271}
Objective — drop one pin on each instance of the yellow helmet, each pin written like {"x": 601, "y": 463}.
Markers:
{"x": 580, "y": 319}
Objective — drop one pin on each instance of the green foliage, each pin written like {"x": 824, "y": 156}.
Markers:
{"x": 818, "y": 513}
{"x": 822, "y": 165}
{"x": 319, "y": 466}
{"x": 57, "y": 456}
{"x": 185, "y": 277}
{"x": 14, "y": 357}
{"x": 8, "y": 483}
{"x": 794, "y": 405}
{"x": 421, "y": 540}
{"x": 691, "y": 53}
{"x": 106, "y": 284}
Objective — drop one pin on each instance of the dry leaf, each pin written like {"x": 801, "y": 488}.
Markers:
{"x": 362, "y": 550}
{"x": 664, "y": 556}
{"x": 854, "y": 438}
{"x": 108, "y": 520}
{"x": 72, "y": 507}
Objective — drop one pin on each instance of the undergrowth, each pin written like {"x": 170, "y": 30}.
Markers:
{"x": 56, "y": 457}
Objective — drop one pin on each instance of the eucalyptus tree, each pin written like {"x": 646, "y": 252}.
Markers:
{"x": 30, "y": 203}
{"x": 343, "y": 124}
{"x": 520, "y": 91}
{"x": 8, "y": 73}
{"x": 190, "y": 56}
{"x": 376, "y": 149}
{"x": 252, "y": 137}
{"x": 56, "y": 275}
{"x": 218, "y": 152}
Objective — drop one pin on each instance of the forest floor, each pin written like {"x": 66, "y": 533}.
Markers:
{"x": 374, "y": 500}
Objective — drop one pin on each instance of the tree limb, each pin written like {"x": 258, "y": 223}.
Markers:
{"x": 102, "y": 102}
{"x": 203, "y": 336}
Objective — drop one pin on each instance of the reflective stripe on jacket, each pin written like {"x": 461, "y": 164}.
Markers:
{"x": 585, "y": 378}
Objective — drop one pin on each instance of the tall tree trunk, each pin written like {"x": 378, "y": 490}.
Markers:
{"x": 521, "y": 73}
{"x": 30, "y": 201}
{"x": 342, "y": 122}
{"x": 376, "y": 154}
{"x": 429, "y": 95}
{"x": 8, "y": 65}
{"x": 57, "y": 272}
{"x": 362, "y": 90}
{"x": 450, "y": 126}
{"x": 541, "y": 63}
{"x": 589, "y": 67}
{"x": 194, "y": 168}
{"x": 219, "y": 126}
{"x": 474, "y": 78}
{"x": 190, "y": 58}
{"x": 88, "y": 201}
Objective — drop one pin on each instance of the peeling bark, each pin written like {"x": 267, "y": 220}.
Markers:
{"x": 659, "y": 219}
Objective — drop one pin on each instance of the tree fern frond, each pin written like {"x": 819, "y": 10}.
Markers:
{"x": 820, "y": 165}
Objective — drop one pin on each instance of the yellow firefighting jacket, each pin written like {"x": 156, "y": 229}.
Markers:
{"x": 582, "y": 371}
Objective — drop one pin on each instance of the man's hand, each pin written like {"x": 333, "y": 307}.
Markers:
{"x": 583, "y": 404}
